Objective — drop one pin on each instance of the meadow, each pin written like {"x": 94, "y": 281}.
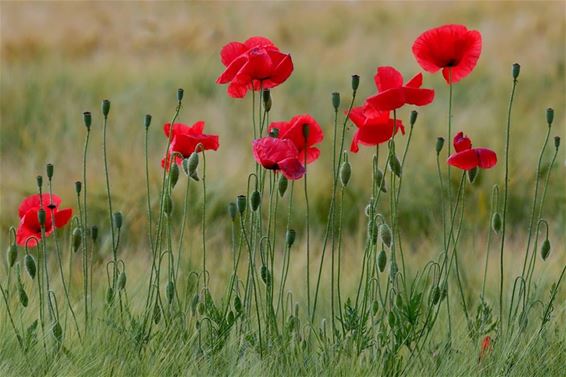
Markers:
{"x": 62, "y": 59}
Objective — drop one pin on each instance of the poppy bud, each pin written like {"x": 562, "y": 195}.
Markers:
{"x": 78, "y": 187}
{"x": 147, "y": 121}
{"x": 336, "y": 100}
{"x": 391, "y": 319}
{"x": 87, "y": 118}
{"x": 49, "y": 171}
{"x": 255, "y": 200}
{"x": 12, "y": 254}
{"x": 41, "y": 216}
{"x": 180, "y": 93}
{"x": 496, "y": 222}
{"x": 556, "y": 142}
{"x": 385, "y": 234}
{"x": 381, "y": 260}
{"x": 200, "y": 308}
{"x": 241, "y": 203}
{"x": 238, "y": 304}
{"x": 265, "y": 275}
{"x": 355, "y": 82}
{"x": 117, "y": 219}
{"x": 23, "y": 296}
{"x": 94, "y": 233}
{"x": 345, "y": 173}
{"x": 230, "y": 319}
{"x": 306, "y": 131}
{"x": 395, "y": 165}
{"x": 39, "y": 180}
{"x": 545, "y": 249}
{"x": 274, "y": 133}
{"x": 57, "y": 331}
{"x": 399, "y": 301}
{"x": 122, "y": 280}
{"x": 413, "y": 118}
{"x": 232, "y": 210}
{"x": 167, "y": 205}
{"x": 380, "y": 180}
{"x": 375, "y": 307}
{"x": 105, "y": 107}
{"x": 109, "y": 295}
{"x": 290, "y": 237}
{"x": 174, "y": 175}
{"x": 194, "y": 303}
{"x": 444, "y": 291}
{"x": 435, "y": 295}
{"x": 192, "y": 163}
{"x": 283, "y": 183}
{"x": 76, "y": 239}
{"x": 439, "y": 144}
{"x": 170, "y": 291}
{"x": 156, "y": 314}
{"x": 472, "y": 174}
{"x": 549, "y": 116}
{"x": 516, "y": 70}
{"x": 267, "y": 99}
{"x": 372, "y": 231}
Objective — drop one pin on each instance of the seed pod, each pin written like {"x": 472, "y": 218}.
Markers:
{"x": 290, "y": 236}
{"x": 391, "y": 319}
{"x": 439, "y": 145}
{"x": 180, "y": 93}
{"x": 265, "y": 275}
{"x": 167, "y": 205}
{"x": 156, "y": 313}
{"x": 283, "y": 183}
{"x": 12, "y": 254}
{"x": 77, "y": 236}
{"x": 238, "y": 304}
{"x": 94, "y": 233}
{"x": 413, "y": 117}
{"x": 194, "y": 303}
{"x": 200, "y": 308}
{"x": 345, "y": 173}
{"x": 336, "y": 100}
{"x": 496, "y": 222}
{"x": 306, "y": 131}
{"x": 232, "y": 210}
{"x": 147, "y": 121}
{"x": 192, "y": 163}
{"x": 49, "y": 171}
{"x": 241, "y": 203}
{"x": 29, "y": 264}
{"x": 267, "y": 99}
{"x": 385, "y": 234}
{"x": 174, "y": 175}
{"x": 109, "y": 295}
{"x": 41, "y": 216}
{"x": 105, "y": 108}
{"x": 395, "y": 165}
{"x": 549, "y": 116}
{"x": 274, "y": 133}
{"x": 516, "y": 70}
{"x": 556, "y": 142}
{"x": 170, "y": 291}
{"x": 375, "y": 307}
{"x": 122, "y": 280}
{"x": 57, "y": 331}
{"x": 87, "y": 118}
{"x": 39, "y": 180}
{"x": 255, "y": 200}
{"x": 472, "y": 174}
{"x": 355, "y": 82}
{"x": 117, "y": 219}
{"x": 230, "y": 319}
{"x": 78, "y": 187}
{"x": 545, "y": 249}
{"x": 381, "y": 260}
{"x": 23, "y": 296}
{"x": 435, "y": 295}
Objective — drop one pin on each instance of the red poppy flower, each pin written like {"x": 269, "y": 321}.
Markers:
{"x": 29, "y": 223}
{"x": 279, "y": 154}
{"x": 466, "y": 158}
{"x": 374, "y": 127}
{"x": 485, "y": 347}
{"x": 293, "y": 130}
{"x": 452, "y": 48}
{"x": 185, "y": 139}
{"x": 256, "y": 63}
{"x": 392, "y": 94}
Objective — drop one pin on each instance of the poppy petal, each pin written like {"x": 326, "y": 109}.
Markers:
{"x": 231, "y": 51}
{"x": 354, "y": 147}
{"x": 33, "y": 202}
{"x": 387, "y": 100}
{"x": 461, "y": 142}
{"x": 292, "y": 168}
{"x": 415, "y": 82}
{"x": 387, "y": 78}
{"x": 282, "y": 70}
{"x": 62, "y": 217}
{"x": 418, "y": 97}
{"x": 486, "y": 158}
{"x": 465, "y": 160}
{"x": 258, "y": 42}
{"x": 232, "y": 70}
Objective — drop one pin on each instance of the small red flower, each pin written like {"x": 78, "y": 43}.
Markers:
{"x": 257, "y": 63}
{"x": 293, "y": 130}
{"x": 485, "y": 347}
{"x": 450, "y": 48}
{"x": 466, "y": 158}
{"x": 392, "y": 94}
{"x": 185, "y": 139}
{"x": 279, "y": 154}
{"x": 374, "y": 127}
{"x": 29, "y": 226}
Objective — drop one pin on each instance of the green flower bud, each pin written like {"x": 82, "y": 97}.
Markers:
{"x": 147, "y": 121}
{"x": 439, "y": 144}
{"x": 385, "y": 234}
{"x": 29, "y": 264}
{"x": 472, "y": 174}
{"x": 87, "y": 118}
{"x": 230, "y": 319}
{"x": 78, "y": 187}
{"x": 265, "y": 275}
{"x": 391, "y": 319}
{"x": 105, "y": 108}
{"x": 200, "y": 308}
{"x": 12, "y": 254}
{"x": 394, "y": 164}
{"x": 336, "y": 100}
{"x": 496, "y": 222}
{"x": 345, "y": 173}
{"x": 23, "y": 296}
{"x": 109, "y": 295}
{"x": 232, "y": 210}
{"x": 375, "y": 307}
{"x": 435, "y": 295}
{"x": 57, "y": 331}
{"x": 238, "y": 304}
{"x": 194, "y": 303}
{"x": 255, "y": 200}
{"x": 170, "y": 291}
{"x": 122, "y": 280}
{"x": 549, "y": 116}
{"x": 267, "y": 99}
{"x": 556, "y": 142}
{"x": 180, "y": 93}
{"x": 41, "y": 216}
{"x": 290, "y": 237}
{"x": 76, "y": 239}
{"x": 545, "y": 249}
{"x": 413, "y": 118}
{"x": 241, "y": 203}
{"x": 516, "y": 70}
{"x": 167, "y": 205}
{"x": 156, "y": 313}
{"x": 283, "y": 183}
{"x": 94, "y": 233}
{"x": 117, "y": 219}
{"x": 380, "y": 179}
{"x": 174, "y": 175}
{"x": 355, "y": 82}
{"x": 49, "y": 170}
{"x": 381, "y": 260}
{"x": 192, "y": 164}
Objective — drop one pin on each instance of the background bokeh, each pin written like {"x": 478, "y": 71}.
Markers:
{"x": 62, "y": 58}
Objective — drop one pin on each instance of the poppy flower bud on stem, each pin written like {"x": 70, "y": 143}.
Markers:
{"x": 180, "y": 93}
{"x": 336, "y": 100}
{"x": 545, "y": 249}
{"x": 413, "y": 118}
{"x": 77, "y": 236}
{"x": 174, "y": 175}
{"x": 232, "y": 210}
{"x": 345, "y": 173}
{"x": 78, "y": 187}
{"x": 167, "y": 205}
{"x": 117, "y": 219}
{"x": 41, "y": 216}
{"x": 290, "y": 237}
{"x": 381, "y": 260}
{"x": 241, "y": 203}
{"x": 105, "y": 107}
{"x": 556, "y": 142}
{"x": 394, "y": 164}
{"x": 11, "y": 254}
{"x": 385, "y": 234}
{"x": 170, "y": 291}
{"x": 39, "y": 180}
{"x": 549, "y": 116}
{"x": 283, "y": 183}
{"x": 94, "y": 233}
{"x": 267, "y": 99}
{"x": 496, "y": 222}
{"x": 355, "y": 82}
{"x": 439, "y": 144}
{"x": 109, "y": 295}
{"x": 255, "y": 200}
{"x": 29, "y": 264}
{"x": 23, "y": 296}
{"x": 122, "y": 280}
{"x": 516, "y": 70}
{"x": 147, "y": 121}
{"x": 49, "y": 171}
{"x": 192, "y": 163}
{"x": 87, "y": 118}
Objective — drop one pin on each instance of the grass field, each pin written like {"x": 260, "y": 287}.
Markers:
{"x": 59, "y": 59}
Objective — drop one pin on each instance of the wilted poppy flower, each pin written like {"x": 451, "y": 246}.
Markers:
{"x": 29, "y": 223}
{"x": 374, "y": 127}
{"x": 466, "y": 158}
{"x": 257, "y": 63}
{"x": 185, "y": 139}
{"x": 452, "y": 48}
{"x": 279, "y": 154}
{"x": 392, "y": 94}
{"x": 485, "y": 346}
{"x": 294, "y": 130}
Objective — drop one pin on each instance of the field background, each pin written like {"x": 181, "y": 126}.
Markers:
{"x": 59, "y": 59}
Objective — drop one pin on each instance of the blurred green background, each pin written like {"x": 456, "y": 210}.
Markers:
{"x": 61, "y": 58}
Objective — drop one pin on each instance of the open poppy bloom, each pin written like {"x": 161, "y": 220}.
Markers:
{"x": 293, "y": 131}
{"x": 466, "y": 158}
{"x": 257, "y": 63}
{"x": 30, "y": 227}
{"x": 452, "y": 48}
{"x": 185, "y": 139}
{"x": 279, "y": 154}
{"x": 374, "y": 127}
{"x": 392, "y": 94}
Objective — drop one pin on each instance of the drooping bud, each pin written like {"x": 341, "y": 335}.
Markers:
{"x": 439, "y": 144}
{"x": 87, "y": 118}
{"x": 385, "y": 234}
{"x": 49, "y": 171}
{"x": 170, "y": 291}
{"x": 435, "y": 295}
{"x": 399, "y": 300}
{"x": 94, "y": 233}
{"x": 76, "y": 239}
{"x": 12, "y": 254}
{"x": 147, "y": 121}
{"x": 57, "y": 331}
{"x": 394, "y": 164}
{"x": 413, "y": 118}
{"x": 380, "y": 180}
{"x": 472, "y": 174}
{"x": 345, "y": 173}
{"x": 167, "y": 205}
{"x": 122, "y": 280}
{"x": 255, "y": 200}
{"x": 355, "y": 82}
{"x": 238, "y": 304}
{"x": 192, "y": 164}
{"x": 282, "y": 186}
{"x": 336, "y": 100}
{"x": 267, "y": 99}
{"x": 180, "y": 93}
{"x": 496, "y": 222}
{"x": 156, "y": 314}
{"x": 265, "y": 275}
{"x": 117, "y": 219}
{"x": 232, "y": 210}
{"x": 290, "y": 236}
{"x": 109, "y": 295}
{"x": 200, "y": 308}
{"x": 23, "y": 296}
{"x": 174, "y": 175}
{"x": 516, "y": 70}
{"x": 78, "y": 187}
{"x": 41, "y": 216}
{"x": 105, "y": 108}
{"x": 230, "y": 318}
{"x": 241, "y": 203}
{"x": 556, "y": 142}
{"x": 381, "y": 260}
{"x": 545, "y": 249}
{"x": 549, "y": 116}
{"x": 375, "y": 307}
